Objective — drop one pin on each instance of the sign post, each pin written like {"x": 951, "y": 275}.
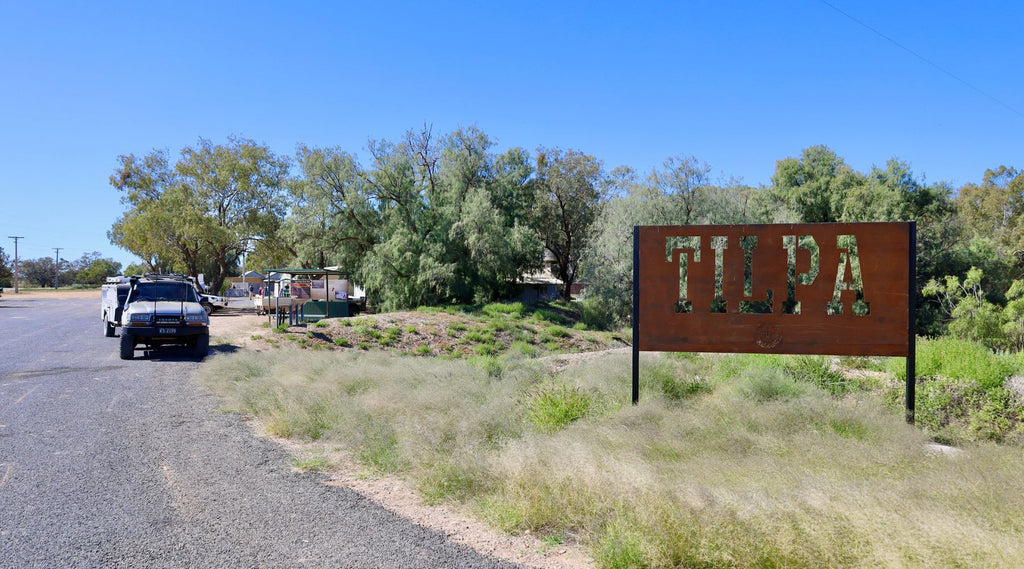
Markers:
{"x": 813, "y": 288}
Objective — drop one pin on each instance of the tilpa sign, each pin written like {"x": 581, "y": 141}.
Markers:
{"x": 813, "y": 288}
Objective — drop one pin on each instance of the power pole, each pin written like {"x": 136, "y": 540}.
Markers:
{"x": 56, "y": 277}
{"x": 15, "y": 261}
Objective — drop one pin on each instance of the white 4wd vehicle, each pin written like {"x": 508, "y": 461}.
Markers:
{"x": 163, "y": 310}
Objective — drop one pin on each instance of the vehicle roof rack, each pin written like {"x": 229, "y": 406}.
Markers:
{"x": 163, "y": 277}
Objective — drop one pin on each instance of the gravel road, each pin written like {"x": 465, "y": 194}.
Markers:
{"x": 111, "y": 463}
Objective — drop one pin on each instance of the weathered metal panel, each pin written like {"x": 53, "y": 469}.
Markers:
{"x": 738, "y": 287}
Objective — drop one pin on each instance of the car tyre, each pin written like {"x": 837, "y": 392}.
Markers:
{"x": 108, "y": 328}
{"x": 127, "y": 347}
{"x": 202, "y": 346}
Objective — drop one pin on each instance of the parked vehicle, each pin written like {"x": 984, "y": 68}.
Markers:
{"x": 212, "y": 303}
{"x": 112, "y": 297}
{"x": 162, "y": 310}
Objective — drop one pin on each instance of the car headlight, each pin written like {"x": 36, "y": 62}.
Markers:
{"x": 139, "y": 317}
{"x": 195, "y": 318}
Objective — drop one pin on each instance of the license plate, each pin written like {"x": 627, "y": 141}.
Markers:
{"x": 168, "y": 330}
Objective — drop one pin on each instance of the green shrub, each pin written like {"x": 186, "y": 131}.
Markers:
{"x": 546, "y": 315}
{"x": 513, "y": 309}
{"x": 485, "y": 349}
{"x": 595, "y": 314}
{"x": 489, "y": 364}
{"x": 818, "y": 371}
{"x": 557, "y": 332}
{"x": 343, "y": 342}
{"x": 673, "y": 384}
{"x": 958, "y": 359}
{"x": 551, "y": 407}
{"x": 525, "y": 348}
{"x": 423, "y": 350}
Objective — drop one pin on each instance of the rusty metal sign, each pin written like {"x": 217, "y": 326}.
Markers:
{"x": 813, "y": 288}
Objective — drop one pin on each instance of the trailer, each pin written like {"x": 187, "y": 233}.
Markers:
{"x": 112, "y": 296}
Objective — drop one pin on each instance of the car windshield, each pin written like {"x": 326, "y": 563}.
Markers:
{"x": 176, "y": 292}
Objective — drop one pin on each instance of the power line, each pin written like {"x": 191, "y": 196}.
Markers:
{"x": 15, "y": 261}
{"x": 970, "y": 85}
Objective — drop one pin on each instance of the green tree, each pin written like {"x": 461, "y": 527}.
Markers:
{"x": 41, "y": 272}
{"x": 198, "y": 215}
{"x": 136, "y": 269}
{"x": 6, "y": 272}
{"x": 992, "y": 217}
{"x": 569, "y": 200}
{"x": 333, "y": 220}
{"x": 996, "y": 208}
{"x": 680, "y": 193}
{"x": 430, "y": 221}
{"x": 97, "y": 271}
{"x": 816, "y": 185}
{"x": 486, "y": 205}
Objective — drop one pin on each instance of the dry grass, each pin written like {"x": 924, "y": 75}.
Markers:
{"x": 751, "y": 469}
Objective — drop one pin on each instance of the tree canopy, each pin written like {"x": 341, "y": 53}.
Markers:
{"x": 201, "y": 213}
{"x": 436, "y": 219}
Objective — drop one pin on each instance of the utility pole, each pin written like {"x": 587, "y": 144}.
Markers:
{"x": 15, "y": 261}
{"x": 56, "y": 277}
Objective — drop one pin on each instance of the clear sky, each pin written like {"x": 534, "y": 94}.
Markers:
{"x": 737, "y": 84}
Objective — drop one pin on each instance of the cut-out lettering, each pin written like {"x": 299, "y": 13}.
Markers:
{"x": 748, "y": 305}
{"x": 688, "y": 249}
{"x": 849, "y": 279}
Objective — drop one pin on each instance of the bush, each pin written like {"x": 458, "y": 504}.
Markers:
{"x": 818, "y": 371}
{"x": 551, "y": 407}
{"x": 596, "y": 315}
{"x": 958, "y": 359}
{"x": 513, "y": 309}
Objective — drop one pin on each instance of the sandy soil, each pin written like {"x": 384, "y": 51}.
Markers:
{"x": 236, "y": 327}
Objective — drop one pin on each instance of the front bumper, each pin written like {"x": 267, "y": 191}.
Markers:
{"x": 165, "y": 334}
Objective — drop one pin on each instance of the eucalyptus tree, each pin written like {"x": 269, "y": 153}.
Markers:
{"x": 570, "y": 195}
{"x": 201, "y": 213}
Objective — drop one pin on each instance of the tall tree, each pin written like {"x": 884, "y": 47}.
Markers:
{"x": 333, "y": 220}
{"x": 996, "y": 208}
{"x": 815, "y": 185}
{"x": 6, "y": 272}
{"x": 200, "y": 214}
{"x": 681, "y": 192}
{"x": 570, "y": 196}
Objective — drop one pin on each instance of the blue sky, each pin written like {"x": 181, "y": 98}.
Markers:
{"x": 739, "y": 85}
